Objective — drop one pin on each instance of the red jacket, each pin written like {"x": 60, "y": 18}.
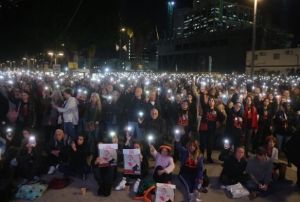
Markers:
{"x": 254, "y": 120}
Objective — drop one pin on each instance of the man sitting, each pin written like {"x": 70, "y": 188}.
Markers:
{"x": 260, "y": 170}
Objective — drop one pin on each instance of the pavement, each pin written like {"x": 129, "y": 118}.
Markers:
{"x": 282, "y": 192}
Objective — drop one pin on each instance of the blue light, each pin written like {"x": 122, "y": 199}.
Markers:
{"x": 171, "y": 3}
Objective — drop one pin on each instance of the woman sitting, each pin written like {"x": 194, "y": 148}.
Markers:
{"x": 29, "y": 160}
{"x": 57, "y": 151}
{"x": 78, "y": 158}
{"x": 234, "y": 168}
{"x": 272, "y": 153}
{"x": 164, "y": 164}
{"x": 191, "y": 170}
{"x": 144, "y": 169}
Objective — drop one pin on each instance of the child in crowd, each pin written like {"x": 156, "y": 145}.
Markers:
{"x": 164, "y": 164}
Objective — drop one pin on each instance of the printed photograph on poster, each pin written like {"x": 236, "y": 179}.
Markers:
{"x": 165, "y": 192}
{"x": 132, "y": 161}
{"x": 108, "y": 154}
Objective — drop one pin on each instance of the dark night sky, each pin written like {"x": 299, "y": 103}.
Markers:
{"x": 37, "y": 25}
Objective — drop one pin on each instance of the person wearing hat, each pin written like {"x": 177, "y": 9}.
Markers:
{"x": 260, "y": 170}
{"x": 164, "y": 164}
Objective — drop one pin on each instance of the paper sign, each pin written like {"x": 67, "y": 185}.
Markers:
{"x": 165, "y": 192}
{"x": 132, "y": 161}
{"x": 108, "y": 154}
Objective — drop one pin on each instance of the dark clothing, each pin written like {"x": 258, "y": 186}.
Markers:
{"x": 27, "y": 115}
{"x": 208, "y": 128}
{"x": 78, "y": 160}
{"x": 234, "y": 127}
{"x": 191, "y": 171}
{"x": 135, "y": 106}
{"x": 104, "y": 177}
{"x": 233, "y": 171}
{"x": 149, "y": 106}
{"x": 4, "y": 107}
{"x": 61, "y": 146}
{"x": 156, "y": 127}
{"x": 164, "y": 178}
{"x": 280, "y": 123}
{"x": 29, "y": 164}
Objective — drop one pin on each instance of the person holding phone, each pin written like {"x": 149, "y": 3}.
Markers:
{"x": 29, "y": 161}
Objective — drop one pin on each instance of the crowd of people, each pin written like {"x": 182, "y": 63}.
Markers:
{"x": 55, "y": 121}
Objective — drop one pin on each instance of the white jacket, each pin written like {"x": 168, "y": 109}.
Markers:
{"x": 70, "y": 111}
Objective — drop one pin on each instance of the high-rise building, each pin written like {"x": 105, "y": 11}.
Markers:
{"x": 218, "y": 16}
{"x": 217, "y": 34}
{"x": 171, "y": 7}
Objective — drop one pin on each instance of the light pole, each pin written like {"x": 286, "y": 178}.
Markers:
{"x": 55, "y": 55}
{"x": 253, "y": 37}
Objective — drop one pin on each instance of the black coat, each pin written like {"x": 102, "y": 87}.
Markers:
{"x": 233, "y": 169}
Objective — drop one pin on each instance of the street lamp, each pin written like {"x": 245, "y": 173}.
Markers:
{"x": 253, "y": 37}
{"x": 55, "y": 55}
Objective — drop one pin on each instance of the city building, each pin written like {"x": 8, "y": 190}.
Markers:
{"x": 215, "y": 35}
{"x": 274, "y": 61}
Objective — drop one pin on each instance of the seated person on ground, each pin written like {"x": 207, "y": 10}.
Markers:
{"x": 272, "y": 153}
{"x": 234, "y": 168}
{"x": 191, "y": 169}
{"x": 164, "y": 164}
{"x": 260, "y": 170}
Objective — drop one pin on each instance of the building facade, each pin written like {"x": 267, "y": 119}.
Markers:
{"x": 274, "y": 61}
{"x": 218, "y": 31}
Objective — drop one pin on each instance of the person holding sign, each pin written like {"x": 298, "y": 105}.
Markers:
{"x": 104, "y": 167}
{"x": 164, "y": 164}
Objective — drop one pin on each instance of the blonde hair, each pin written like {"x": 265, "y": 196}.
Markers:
{"x": 197, "y": 153}
{"x": 98, "y": 101}
{"x": 59, "y": 131}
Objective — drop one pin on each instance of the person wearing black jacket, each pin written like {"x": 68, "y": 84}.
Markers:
{"x": 211, "y": 115}
{"x": 78, "y": 158}
{"x": 235, "y": 123}
{"x": 234, "y": 168}
{"x": 4, "y": 108}
{"x": 156, "y": 126}
{"x": 281, "y": 125}
{"x": 152, "y": 103}
{"x": 136, "y": 109}
{"x": 266, "y": 114}
{"x": 57, "y": 151}
{"x": 27, "y": 112}
{"x": 187, "y": 120}
{"x": 29, "y": 161}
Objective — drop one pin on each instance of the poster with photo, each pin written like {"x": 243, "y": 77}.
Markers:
{"x": 165, "y": 192}
{"x": 132, "y": 161}
{"x": 108, "y": 154}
